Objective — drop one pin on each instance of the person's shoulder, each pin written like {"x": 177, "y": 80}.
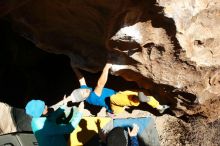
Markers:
{"x": 91, "y": 95}
{"x": 38, "y": 123}
{"x": 92, "y": 98}
{"x": 39, "y": 119}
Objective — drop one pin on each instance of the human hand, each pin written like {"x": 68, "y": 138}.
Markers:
{"x": 81, "y": 107}
{"x": 108, "y": 65}
{"x": 134, "y": 130}
{"x": 77, "y": 72}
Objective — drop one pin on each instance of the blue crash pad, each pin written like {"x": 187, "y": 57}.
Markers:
{"x": 147, "y": 133}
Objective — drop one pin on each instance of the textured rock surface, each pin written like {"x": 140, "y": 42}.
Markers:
{"x": 170, "y": 47}
{"x": 197, "y": 25}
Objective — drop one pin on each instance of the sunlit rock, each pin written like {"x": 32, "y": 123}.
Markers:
{"x": 171, "y": 47}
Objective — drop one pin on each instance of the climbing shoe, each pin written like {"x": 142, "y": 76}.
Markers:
{"x": 163, "y": 108}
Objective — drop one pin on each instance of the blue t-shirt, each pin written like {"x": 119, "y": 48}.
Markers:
{"x": 102, "y": 100}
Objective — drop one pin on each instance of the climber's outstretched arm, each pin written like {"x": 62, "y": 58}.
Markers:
{"x": 102, "y": 79}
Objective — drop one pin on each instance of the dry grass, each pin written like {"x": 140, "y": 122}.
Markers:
{"x": 201, "y": 133}
{"x": 196, "y": 132}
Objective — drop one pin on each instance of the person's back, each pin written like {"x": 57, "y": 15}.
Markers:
{"x": 46, "y": 134}
{"x": 45, "y": 127}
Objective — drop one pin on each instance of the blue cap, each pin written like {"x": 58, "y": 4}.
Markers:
{"x": 35, "y": 108}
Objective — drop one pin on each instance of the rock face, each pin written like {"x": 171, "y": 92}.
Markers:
{"x": 197, "y": 25}
{"x": 170, "y": 47}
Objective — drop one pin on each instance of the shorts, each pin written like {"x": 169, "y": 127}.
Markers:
{"x": 121, "y": 99}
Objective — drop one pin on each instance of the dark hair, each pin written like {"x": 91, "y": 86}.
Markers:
{"x": 117, "y": 137}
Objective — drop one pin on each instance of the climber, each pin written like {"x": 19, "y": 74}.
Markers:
{"x": 44, "y": 123}
{"x": 114, "y": 102}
